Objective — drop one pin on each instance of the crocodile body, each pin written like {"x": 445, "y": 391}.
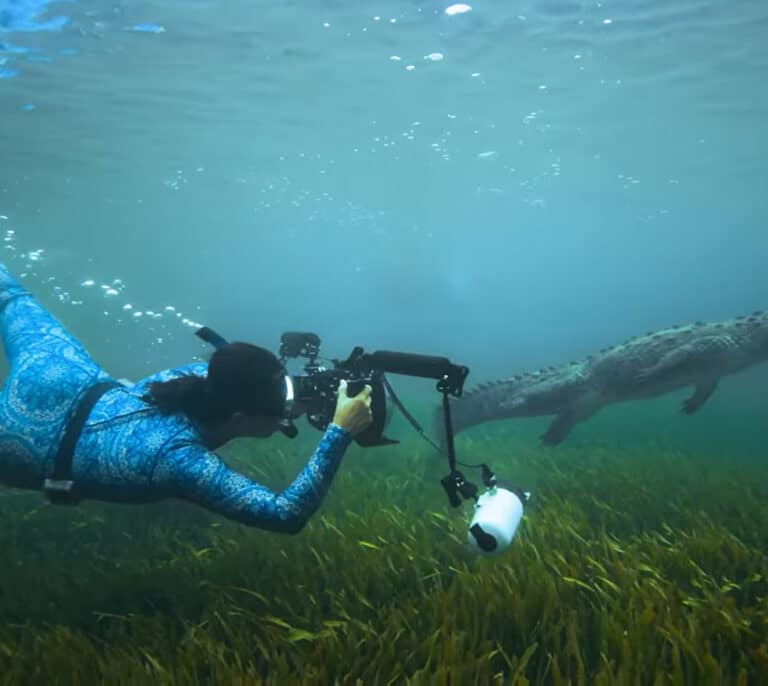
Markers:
{"x": 696, "y": 355}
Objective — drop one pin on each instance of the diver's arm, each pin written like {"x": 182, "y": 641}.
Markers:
{"x": 202, "y": 477}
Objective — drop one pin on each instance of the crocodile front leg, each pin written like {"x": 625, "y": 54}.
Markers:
{"x": 701, "y": 393}
{"x": 558, "y": 429}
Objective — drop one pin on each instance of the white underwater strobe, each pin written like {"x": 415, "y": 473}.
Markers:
{"x": 497, "y": 514}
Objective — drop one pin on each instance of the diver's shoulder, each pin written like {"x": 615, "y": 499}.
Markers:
{"x": 191, "y": 369}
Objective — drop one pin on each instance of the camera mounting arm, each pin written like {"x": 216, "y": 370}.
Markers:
{"x": 450, "y": 381}
{"x": 450, "y": 377}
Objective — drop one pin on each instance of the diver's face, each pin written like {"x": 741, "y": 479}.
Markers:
{"x": 255, "y": 426}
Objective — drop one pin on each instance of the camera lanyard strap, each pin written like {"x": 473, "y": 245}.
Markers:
{"x": 408, "y": 416}
{"x": 450, "y": 449}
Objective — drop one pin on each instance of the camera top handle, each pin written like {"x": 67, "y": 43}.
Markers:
{"x": 450, "y": 377}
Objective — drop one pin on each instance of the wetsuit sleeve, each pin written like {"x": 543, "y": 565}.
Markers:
{"x": 202, "y": 477}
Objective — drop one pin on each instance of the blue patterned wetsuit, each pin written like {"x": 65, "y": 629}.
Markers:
{"x": 127, "y": 451}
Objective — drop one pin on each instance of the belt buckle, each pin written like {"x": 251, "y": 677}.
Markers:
{"x": 61, "y": 491}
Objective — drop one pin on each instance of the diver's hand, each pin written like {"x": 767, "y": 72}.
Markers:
{"x": 353, "y": 414}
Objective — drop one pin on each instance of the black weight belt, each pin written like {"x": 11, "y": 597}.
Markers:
{"x": 60, "y": 488}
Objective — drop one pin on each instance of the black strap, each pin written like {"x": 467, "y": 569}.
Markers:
{"x": 60, "y": 488}
{"x": 408, "y": 416}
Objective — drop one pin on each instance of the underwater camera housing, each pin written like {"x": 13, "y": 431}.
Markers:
{"x": 314, "y": 393}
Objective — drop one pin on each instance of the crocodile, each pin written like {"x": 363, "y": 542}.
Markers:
{"x": 656, "y": 363}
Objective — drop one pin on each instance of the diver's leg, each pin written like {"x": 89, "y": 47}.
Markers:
{"x": 48, "y": 369}
{"x": 26, "y": 326}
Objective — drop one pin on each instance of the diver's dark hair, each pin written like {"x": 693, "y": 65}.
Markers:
{"x": 241, "y": 378}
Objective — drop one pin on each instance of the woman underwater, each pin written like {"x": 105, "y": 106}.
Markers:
{"x": 70, "y": 430}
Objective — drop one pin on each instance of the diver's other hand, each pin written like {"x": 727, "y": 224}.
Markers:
{"x": 353, "y": 414}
